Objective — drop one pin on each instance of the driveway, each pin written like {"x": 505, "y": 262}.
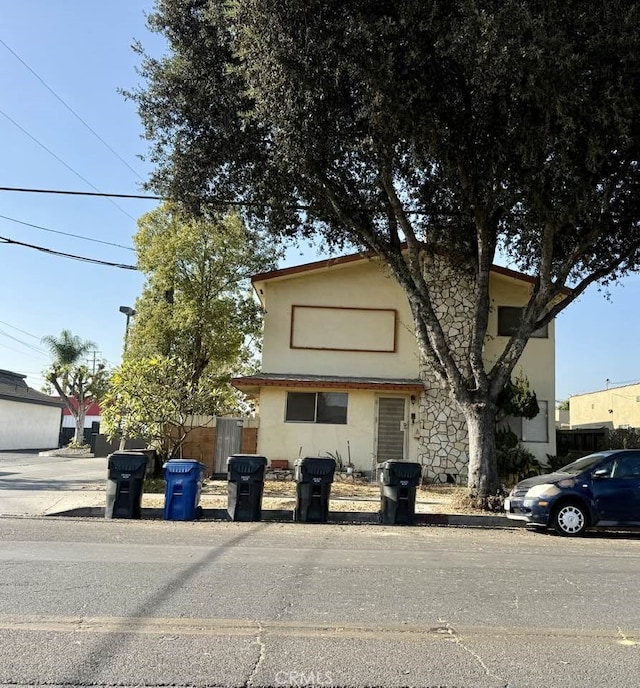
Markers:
{"x": 32, "y": 485}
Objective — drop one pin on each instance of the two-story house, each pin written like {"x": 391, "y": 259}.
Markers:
{"x": 341, "y": 370}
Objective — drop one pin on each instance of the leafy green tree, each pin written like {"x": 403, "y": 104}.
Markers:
{"x": 197, "y": 324}
{"x": 197, "y": 303}
{"x": 155, "y": 399}
{"x": 73, "y": 380}
{"x": 563, "y": 405}
{"x": 413, "y": 129}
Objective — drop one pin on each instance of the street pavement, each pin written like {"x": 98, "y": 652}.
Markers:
{"x": 158, "y": 603}
{"x": 33, "y": 485}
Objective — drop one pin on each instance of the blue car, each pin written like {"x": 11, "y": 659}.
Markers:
{"x": 601, "y": 489}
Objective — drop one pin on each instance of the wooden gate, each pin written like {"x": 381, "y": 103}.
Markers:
{"x": 228, "y": 441}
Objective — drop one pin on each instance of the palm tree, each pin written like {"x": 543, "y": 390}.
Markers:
{"x": 69, "y": 377}
{"x": 67, "y": 349}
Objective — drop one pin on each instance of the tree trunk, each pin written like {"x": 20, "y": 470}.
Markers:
{"x": 79, "y": 418}
{"x": 483, "y": 474}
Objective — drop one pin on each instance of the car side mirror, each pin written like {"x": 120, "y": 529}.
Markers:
{"x": 601, "y": 473}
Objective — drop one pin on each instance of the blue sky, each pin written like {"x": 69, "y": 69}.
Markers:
{"x": 82, "y": 50}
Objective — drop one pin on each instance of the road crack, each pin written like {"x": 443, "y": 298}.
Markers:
{"x": 454, "y": 638}
{"x": 261, "y": 656}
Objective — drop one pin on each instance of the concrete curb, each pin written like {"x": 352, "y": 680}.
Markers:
{"x": 336, "y": 517}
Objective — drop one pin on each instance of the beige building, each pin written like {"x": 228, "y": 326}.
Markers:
{"x": 616, "y": 407}
{"x": 341, "y": 372}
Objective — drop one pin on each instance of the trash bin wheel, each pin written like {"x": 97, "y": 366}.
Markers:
{"x": 199, "y": 512}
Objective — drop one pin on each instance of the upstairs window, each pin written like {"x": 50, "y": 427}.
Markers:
{"x": 316, "y": 407}
{"x": 509, "y": 318}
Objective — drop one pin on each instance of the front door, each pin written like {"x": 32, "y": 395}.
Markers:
{"x": 391, "y": 429}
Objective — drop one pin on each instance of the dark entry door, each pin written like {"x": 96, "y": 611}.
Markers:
{"x": 391, "y": 429}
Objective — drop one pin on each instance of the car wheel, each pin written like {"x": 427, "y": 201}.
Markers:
{"x": 570, "y": 520}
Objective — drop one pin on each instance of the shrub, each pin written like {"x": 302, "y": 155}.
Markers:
{"x": 515, "y": 462}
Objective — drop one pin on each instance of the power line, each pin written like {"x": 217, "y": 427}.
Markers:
{"x": 29, "y": 346}
{"x": 75, "y": 236}
{"x": 60, "y": 160}
{"x": 83, "y": 259}
{"x": 71, "y": 110}
{"x": 215, "y": 202}
{"x": 13, "y": 327}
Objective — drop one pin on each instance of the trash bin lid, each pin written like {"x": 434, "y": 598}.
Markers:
{"x": 407, "y": 470}
{"x": 246, "y": 463}
{"x": 126, "y": 461}
{"x": 181, "y": 466}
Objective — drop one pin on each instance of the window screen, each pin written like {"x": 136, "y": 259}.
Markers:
{"x": 509, "y": 320}
{"x": 317, "y": 407}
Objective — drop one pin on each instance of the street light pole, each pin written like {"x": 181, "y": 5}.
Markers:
{"x": 129, "y": 312}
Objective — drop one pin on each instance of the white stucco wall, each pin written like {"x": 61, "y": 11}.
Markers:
{"x": 278, "y": 439}
{"x": 28, "y": 426}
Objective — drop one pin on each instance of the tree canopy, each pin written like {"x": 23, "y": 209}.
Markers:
{"x": 197, "y": 324}
{"x": 412, "y": 128}
{"x": 197, "y": 304}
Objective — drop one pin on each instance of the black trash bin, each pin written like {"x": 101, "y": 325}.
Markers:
{"x": 398, "y": 491}
{"x": 314, "y": 476}
{"x": 245, "y": 486}
{"x": 125, "y": 480}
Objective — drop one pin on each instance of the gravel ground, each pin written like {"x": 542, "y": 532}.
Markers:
{"x": 345, "y": 496}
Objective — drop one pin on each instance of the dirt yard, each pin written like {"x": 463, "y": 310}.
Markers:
{"x": 345, "y": 496}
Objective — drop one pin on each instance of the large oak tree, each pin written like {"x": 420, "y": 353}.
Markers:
{"x": 411, "y": 128}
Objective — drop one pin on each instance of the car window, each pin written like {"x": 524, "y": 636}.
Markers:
{"x": 627, "y": 466}
{"x": 582, "y": 464}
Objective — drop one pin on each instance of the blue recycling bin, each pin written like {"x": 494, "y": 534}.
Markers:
{"x": 182, "y": 494}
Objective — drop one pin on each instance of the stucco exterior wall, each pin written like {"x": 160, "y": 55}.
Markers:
{"x": 538, "y": 362}
{"x": 437, "y": 437}
{"x": 356, "y": 286}
{"x": 278, "y": 439}
{"x": 615, "y": 407}
{"x": 28, "y": 426}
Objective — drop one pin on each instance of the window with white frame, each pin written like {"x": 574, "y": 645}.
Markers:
{"x": 316, "y": 407}
{"x": 531, "y": 429}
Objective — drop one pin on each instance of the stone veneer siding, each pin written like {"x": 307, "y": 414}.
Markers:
{"x": 444, "y": 441}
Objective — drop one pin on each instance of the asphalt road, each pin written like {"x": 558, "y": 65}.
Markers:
{"x": 39, "y": 485}
{"x": 93, "y": 602}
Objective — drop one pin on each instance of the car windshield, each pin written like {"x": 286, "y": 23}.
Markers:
{"x": 582, "y": 464}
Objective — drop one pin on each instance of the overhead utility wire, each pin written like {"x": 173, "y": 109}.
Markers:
{"x": 61, "y": 161}
{"x": 75, "y": 236}
{"x": 216, "y": 202}
{"x": 71, "y": 110}
{"x": 83, "y": 259}
{"x": 13, "y": 327}
{"x": 29, "y": 346}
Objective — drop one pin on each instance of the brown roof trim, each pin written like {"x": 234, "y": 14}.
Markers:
{"x": 308, "y": 267}
{"x": 288, "y": 383}
{"x": 354, "y": 257}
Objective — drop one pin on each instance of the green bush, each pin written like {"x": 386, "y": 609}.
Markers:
{"x": 515, "y": 462}
{"x": 624, "y": 438}
{"x": 555, "y": 462}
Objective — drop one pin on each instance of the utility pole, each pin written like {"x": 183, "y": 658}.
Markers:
{"x": 92, "y": 362}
